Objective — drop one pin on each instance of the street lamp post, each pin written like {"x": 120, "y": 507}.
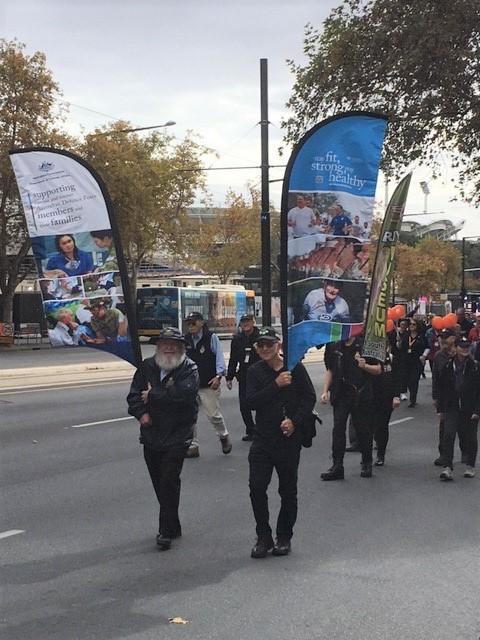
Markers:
{"x": 463, "y": 290}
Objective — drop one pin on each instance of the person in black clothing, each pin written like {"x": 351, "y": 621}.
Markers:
{"x": 242, "y": 355}
{"x": 283, "y": 402}
{"x": 446, "y": 353}
{"x": 163, "y": 398}
{"x": 413, "y": 348}
{"x": 348, "y": 381}
{"x": 386, "y": 398}
{"x": 459, "y": 405}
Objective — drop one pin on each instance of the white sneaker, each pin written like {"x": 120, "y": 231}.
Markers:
{"x": 403, "y": 396}
{"x": 446, "y": 474}
{"x": 469, "y": 472}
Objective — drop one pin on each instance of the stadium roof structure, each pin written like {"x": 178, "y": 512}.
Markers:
{"x": 440, "y": 229}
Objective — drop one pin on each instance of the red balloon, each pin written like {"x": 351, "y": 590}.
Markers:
{"x": 449, "y": 321}
{"x": 390, "y": 315}
{"x": 390, "y": 325}
{"x": 437, "y": 323}
{"x": 398, "y": 311}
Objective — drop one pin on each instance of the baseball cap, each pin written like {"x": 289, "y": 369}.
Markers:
{"x": 246, "y": 316}
{"x": 463, "y": 343}
{"x": 171, "y": 333}
{"x": 96, "y": 305}
{"x": 268, "y": 333}
{"x": 194, "y": 315}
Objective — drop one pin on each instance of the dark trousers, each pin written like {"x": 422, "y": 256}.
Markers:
{"x": 244, "y": 410}
{"x": 262, "y": 461}
{"x": 441, "y": 436}
{"x": 461, "y": 423}
{"x": 165, "y": 468}
{"x": 383, "y": 413}
{"x": 413, "y": 378}
{"x": 362, "y": 420}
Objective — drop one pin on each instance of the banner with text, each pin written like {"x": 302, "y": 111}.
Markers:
{"x": 82, "y": 274}
{"x": 375, "y": 344}
{"x": 326, "y": 217}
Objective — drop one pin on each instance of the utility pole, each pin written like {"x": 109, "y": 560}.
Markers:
{"x": 265, "y": 215}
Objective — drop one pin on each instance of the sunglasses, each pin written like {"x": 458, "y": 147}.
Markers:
{"x": 265, "y": 344}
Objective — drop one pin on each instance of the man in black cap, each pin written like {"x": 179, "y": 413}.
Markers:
{"x": 204, "y": 348}
{"x": 163, "y": 398}
{"x": 283, "y": 402}
{"x": 326, "y": 304}
{"x": 242, "y": 355}
{"x": 459, "y": 405}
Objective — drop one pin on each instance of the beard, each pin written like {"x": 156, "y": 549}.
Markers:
{"x": 169, "y": 362}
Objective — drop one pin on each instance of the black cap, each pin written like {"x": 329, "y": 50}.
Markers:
{"x": 246, "y": 316}
{"x": 194, "y": 315}
{"x": 268, "y": 333}
{"x": 332, "y": 281}
{"x": 462, "y": 342}
{"x": 171, "y": 333}
{"x": 96, "y": 304}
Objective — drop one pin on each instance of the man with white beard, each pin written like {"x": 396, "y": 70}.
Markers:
{"x": 163, "y": 398}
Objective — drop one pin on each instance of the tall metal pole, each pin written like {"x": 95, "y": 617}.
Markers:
{"x": 265, "y": 216}
{"x": 463, "y": 291}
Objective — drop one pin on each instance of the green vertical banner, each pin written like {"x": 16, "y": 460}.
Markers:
{"x": 375, "y": 344}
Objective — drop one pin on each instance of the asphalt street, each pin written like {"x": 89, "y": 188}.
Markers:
{"x": 395, "y": 556}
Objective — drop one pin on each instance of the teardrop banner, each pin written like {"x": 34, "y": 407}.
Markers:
{"x": 375, "y": 343}
{"x": 326, "y": 218}
{"x": 82, "y": 274}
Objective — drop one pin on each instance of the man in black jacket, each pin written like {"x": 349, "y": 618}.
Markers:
{"x": 283, "y": 402}
{"x": 163, "y": 398}
{"x": 242, "y": 355}
{"x": 459, "y": 404}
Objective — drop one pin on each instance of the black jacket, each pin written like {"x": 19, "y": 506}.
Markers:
{"x": 349, "y": 382}
{"x": 273, "y": 404}
{"x": 172, "y": 404}
{"x": 203, "y": 356}
{"x": 468, "y": 399}
{"x": 242, "y": 354}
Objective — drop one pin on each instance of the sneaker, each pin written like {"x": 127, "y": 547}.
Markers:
{"x": 403, "y": 396}
{"x": 193, "y": 451}
{"x": 439, "y": 462}
{"x": 446, "y": 474}
{"x": 263, "y": 544}
{"x": 226, "y": 444}
{"x": 282, "y": 546}
{"x": 469, "y": 472}
{"x": 380, "y": 461}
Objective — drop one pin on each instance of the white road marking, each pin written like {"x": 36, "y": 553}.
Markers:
{"x": 94, "y": 424}
{"x": 12, "y": 532}
{"x": 401, "y": 420}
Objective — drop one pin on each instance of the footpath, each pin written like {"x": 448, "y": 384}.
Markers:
{"x": 20, "y": 378}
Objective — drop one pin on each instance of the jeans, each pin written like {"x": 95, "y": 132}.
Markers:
{"x": 262, "y": 461}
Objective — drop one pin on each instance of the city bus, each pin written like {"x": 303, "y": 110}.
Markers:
{"x": 222, "y": 306}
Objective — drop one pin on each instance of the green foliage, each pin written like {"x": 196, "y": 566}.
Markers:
{"x": 417, "y": 61}
{"x": 27, "y": 118}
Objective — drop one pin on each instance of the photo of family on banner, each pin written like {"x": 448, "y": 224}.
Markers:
{"x": 82, "y": 276}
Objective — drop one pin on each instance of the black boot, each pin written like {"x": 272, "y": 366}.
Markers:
{"x": 366, "y": 471}
{"x": 336, "y": 471}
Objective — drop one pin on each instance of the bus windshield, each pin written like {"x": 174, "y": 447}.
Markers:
{"x": 159, "y": 307}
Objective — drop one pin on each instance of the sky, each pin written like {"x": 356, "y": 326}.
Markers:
{"x": 196, "y": 62}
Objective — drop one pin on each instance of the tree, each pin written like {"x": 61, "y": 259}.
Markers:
{"x": 27, "y": 118}
{"x": 418, "y": 62}
{"x": 232, "y": 242}
{"x": 151, "y": 183}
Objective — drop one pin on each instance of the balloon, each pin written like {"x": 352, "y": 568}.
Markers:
{"x": 449, "y": 321}
{"x": 437, "y": 323}
{"x": 398, "y": 311}
{"x": 390, "y": 313}
{"x": 390, "y": 325}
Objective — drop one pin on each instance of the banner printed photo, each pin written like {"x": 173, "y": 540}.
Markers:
{"x": 73, "y": 244}
{"x": 327, "y": 209}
